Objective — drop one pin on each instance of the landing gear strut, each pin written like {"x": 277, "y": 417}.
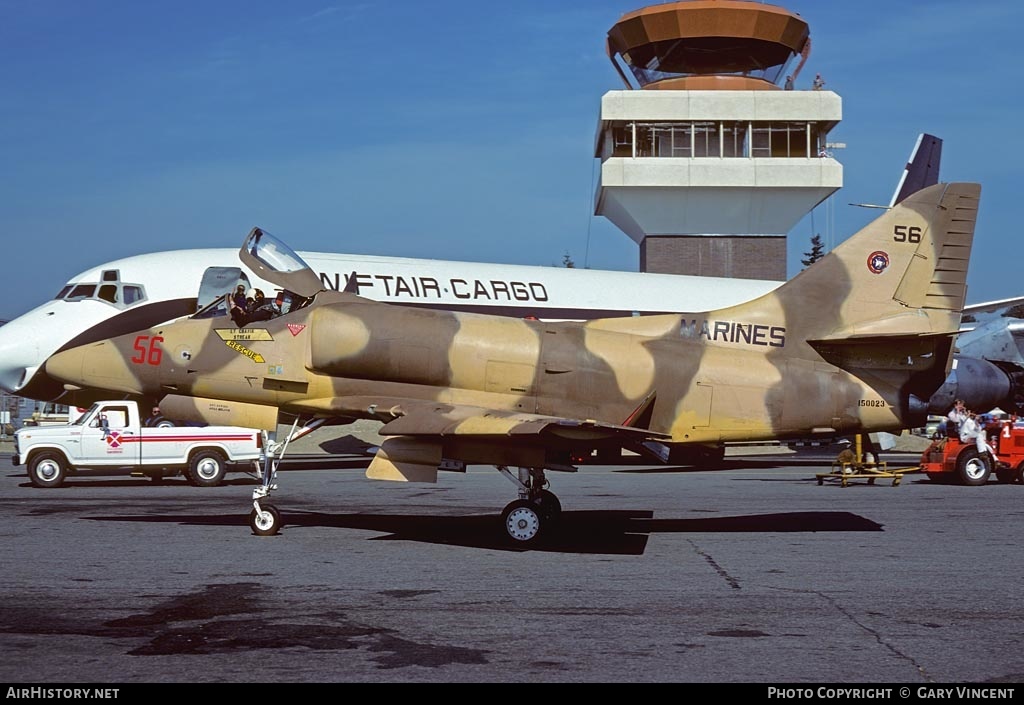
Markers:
{"x": 535, "y": 512}
{"x": 265, "y": 519}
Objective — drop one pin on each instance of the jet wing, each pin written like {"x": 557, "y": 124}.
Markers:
{"x": 415, "y": 417}
{"x": 998, "y": 306}
{"x": 424, "y": 435}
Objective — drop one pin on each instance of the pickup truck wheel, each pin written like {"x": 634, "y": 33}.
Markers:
{"x": 47, "y": 470}
{"x": 973, "y": 467}
{"x": 207, "y": 468}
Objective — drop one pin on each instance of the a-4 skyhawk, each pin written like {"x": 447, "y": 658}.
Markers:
{"x": 858, "y": 342}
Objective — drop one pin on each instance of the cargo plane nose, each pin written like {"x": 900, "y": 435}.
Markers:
{"x": 19, "y": 355}
{"x": 94, "y": 366}
{"x": 27, "y": 341}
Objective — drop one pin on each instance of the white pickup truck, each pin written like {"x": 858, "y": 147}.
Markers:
{"x": 111, "y": 436}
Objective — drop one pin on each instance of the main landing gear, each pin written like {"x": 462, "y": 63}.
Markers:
{"x": 535, "y": 513}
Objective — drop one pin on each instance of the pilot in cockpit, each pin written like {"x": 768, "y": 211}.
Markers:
{"x": 260, "y": 309}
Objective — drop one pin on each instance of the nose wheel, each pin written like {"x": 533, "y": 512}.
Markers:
{"x": 264, "y": 519}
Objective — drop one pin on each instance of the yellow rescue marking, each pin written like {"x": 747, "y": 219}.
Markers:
{"x": 251, "y": 354}
{"x": 243, "y": 334}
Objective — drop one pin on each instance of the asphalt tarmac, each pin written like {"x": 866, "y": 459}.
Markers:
{"x": 752, "y": 574}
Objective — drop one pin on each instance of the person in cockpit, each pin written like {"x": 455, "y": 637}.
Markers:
{"x": 260, "y": 309}
{"x": 239, "y": 307}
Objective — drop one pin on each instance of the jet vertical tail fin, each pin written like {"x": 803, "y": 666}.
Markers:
{"x": 903, "y": 274}
{"x": 886, "y": 302}
{"x": 922, "y": 170}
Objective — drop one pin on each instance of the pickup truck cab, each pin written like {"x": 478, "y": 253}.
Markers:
{"x": 111, "y": 436}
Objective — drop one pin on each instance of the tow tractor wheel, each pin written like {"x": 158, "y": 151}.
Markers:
{"x": 1020, "y": 473}
{"x": 266, "y": 522}
{"x": 550, "y": 507}
{"x": 523, "y": 521}
{"x": 973, "y": 467}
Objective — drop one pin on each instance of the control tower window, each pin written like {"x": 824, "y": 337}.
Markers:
{"x": 672, "y": 140}
{"x": 705, "y": 140}
{"x": 780, "y": 139}
{"x": 729, "y": 139}
{"x": 622, "y": 141}
{"x": 734, "y": 139}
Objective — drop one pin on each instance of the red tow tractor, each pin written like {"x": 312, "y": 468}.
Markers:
{"x": 949, "y": 460}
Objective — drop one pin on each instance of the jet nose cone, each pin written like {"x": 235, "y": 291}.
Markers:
{"x": 95, "y": 366}
{"x": 66, "y": 366}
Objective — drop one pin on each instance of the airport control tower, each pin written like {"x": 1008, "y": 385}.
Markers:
{"x": 710, "y": 157}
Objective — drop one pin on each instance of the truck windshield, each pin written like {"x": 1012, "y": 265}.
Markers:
{"x": 88, "y": 414}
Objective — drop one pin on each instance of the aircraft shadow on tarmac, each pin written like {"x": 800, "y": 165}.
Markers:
{"x": 620, "y": 532}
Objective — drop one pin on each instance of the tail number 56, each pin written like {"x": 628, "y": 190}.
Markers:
{"x": 148, "y": 349}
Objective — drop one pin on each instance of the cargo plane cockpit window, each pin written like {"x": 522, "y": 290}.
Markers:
{"x": 82, "y": 291}
{"x": 108, "y": 292}
{"x": 117, "y": 294}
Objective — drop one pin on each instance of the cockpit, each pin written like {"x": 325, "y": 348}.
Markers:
{"x": 110, "y": 289}
{"x": 253, "y": 308}
{"x": 275, "y": 262}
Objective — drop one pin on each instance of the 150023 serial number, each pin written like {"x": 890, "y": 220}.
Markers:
{"x": 870, "y": 402}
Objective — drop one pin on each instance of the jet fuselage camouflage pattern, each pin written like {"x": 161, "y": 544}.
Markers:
{"x": 857, "y": 342}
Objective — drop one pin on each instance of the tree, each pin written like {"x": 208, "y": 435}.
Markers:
{"x": 567, "y": 260}
{"x": 816, "y": 253}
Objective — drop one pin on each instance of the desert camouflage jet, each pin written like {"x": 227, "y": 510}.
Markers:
{"x": 857, "y": 342}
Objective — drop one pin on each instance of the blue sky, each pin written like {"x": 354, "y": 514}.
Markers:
{"x": 451, "y": 130}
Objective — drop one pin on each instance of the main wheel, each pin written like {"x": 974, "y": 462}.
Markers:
{"x": 973, "y": 467}
{"x": 550, "y": 507}
{"x": 265, "y": 522}
{"x": 207, "y": 468}
{"x": 47, "y": 470}
{"x": 523, "y": 522}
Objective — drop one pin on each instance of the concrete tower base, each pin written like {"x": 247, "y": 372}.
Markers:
{"x": 760, "y": 257}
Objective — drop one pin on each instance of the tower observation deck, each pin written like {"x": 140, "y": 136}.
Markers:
{"x": 706, "y": 160}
